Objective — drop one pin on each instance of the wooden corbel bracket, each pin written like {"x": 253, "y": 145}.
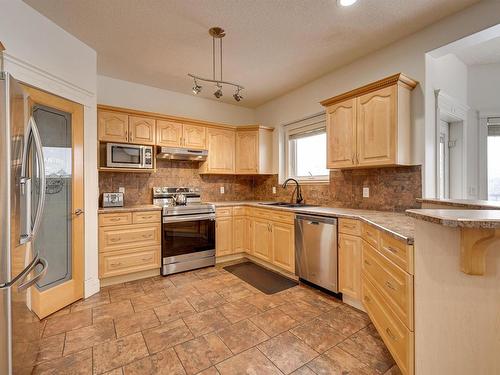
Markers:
{"x": 473, "y": 246}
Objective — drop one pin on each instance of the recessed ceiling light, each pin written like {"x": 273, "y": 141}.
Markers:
{"x": 346, "y": 3}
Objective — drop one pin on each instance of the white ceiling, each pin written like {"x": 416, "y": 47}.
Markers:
{"x": 271, "y": 46}
{"x": 487, "y": 52}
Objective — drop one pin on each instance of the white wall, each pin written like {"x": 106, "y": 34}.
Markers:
{"x": 42, "y": 54}
{"x": 407, "y": 56}
{"x": 121, "y": 93}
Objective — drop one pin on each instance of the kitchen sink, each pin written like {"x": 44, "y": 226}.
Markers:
{"x": 289, "y": 205}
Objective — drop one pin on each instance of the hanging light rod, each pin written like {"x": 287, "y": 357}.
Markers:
{"x": 216, "y": 33}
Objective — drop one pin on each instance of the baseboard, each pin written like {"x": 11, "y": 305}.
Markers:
{"x": 229, "y": 258}
{"x": 129, "y": 277}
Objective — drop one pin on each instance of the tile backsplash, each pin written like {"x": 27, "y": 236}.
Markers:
{"x": 391, "y": 189}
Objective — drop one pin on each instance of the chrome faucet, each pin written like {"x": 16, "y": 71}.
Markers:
{"x": 297, "y": 191}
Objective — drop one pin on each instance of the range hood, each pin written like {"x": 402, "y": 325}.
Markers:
{"x": 179, "y": 153}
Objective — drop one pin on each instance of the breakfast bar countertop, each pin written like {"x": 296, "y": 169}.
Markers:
{"x": 478, "y": 219}
{"x": 397, "y": 224}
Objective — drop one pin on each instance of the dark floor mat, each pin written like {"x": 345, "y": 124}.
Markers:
{"x": 266, "y": 281}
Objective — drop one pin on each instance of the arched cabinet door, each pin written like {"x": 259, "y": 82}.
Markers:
{"x": 168, "y": 133}
{"x": 377, "y": 127}
{"x": 113, "y": 126}
{"x": 341, "y": 134}
{"x": 142, "y": 130}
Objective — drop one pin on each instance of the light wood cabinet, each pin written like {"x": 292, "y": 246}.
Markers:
{"x": 113, "y": 126}
{"x": 370, "y": 126}
{"x": 194, "y": 136}
{"x": 240, "y": 234}
{"x": 350, "y": 265}
{"x": 254, "y": 151}
{"x": 142, "y": 130}
{"x": 123, "y": 128}
{"x": 224, "y": 236}
{"x": 221, "y": 148}
{"x": 341, "y": 134}
{"x": 283, "y": 246}
{"x": 262, "y": 239}
{"x": 129, "y": 242}
{"x": 168, "y": 133}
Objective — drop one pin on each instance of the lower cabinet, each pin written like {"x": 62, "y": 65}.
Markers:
{"x": 265, "y": 234}
{"x": 350, "y": 265}
{"x": 129, "y": 242}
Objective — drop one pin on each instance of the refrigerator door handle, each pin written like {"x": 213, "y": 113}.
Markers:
{"x": 25, "y": 284}
{"x": 25, "y": 184}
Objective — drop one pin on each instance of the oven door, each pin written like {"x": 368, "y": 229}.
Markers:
{"x": 188, "y": 238}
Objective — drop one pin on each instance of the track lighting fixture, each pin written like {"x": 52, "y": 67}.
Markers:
{"x": 216, "y": 33}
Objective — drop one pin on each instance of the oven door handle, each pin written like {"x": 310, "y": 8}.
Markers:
{"x": 180, "y": 219}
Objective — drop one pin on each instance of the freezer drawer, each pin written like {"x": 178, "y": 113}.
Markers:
{"x": 316, "y": 250}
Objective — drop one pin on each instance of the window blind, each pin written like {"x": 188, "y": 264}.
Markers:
{"x": 493, "y": 126}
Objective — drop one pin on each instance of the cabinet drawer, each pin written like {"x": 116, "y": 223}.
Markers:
{"x": 350, "y": 226}
{"x": 116, "y": 218}
{"x": 223, "y": 211}
{"x": 275, "y": 215}
{"x": 398, "y": 251}
{"x": 398, "y": 338}
{"x": 394, "y": 284}
{"x": 239, "y": 211}
{"x": 126, "y": 236}
{"x": 146, "y": 217}
{"x": 370, "y": 234}
{"x": 128, "y": 261}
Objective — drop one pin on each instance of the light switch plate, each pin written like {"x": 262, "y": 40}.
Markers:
{"x": 222, "y": 189}
{"x": 274, "y": 189}
{"x": 366, "y": 192}
{"x": 121, "y": 189}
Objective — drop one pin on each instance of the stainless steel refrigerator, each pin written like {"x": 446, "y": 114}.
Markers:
{"x": 22, "y": 197}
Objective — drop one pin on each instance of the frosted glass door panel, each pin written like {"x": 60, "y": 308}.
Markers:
{"x": 54, "y": 240}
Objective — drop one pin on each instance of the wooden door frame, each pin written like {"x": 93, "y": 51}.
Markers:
{"x": 44, "y": 303}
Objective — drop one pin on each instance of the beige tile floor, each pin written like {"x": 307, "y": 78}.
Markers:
{"x": 210, "y": 322}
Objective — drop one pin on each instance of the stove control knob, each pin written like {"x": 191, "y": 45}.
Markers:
{"x": 157, "y": 190}
{"x": 165, "y": 190}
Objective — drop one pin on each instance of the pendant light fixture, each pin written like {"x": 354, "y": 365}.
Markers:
{"x": 216, "y": 33}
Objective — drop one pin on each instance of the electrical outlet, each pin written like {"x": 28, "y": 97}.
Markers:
{"x": 121, "y": 189}
{"x": 366, "y": 192}
{"x": 222, "y": 189}
{"x": 274, "y": 189}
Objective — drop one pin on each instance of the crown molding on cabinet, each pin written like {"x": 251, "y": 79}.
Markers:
{"x": 399, "y": 79}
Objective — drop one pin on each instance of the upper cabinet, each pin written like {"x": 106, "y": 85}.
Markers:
{"x": 221, "y": 149}
{"x": 370, "y": 126}
{"x": 254, "y": 150}
{"x": 175, "y": 134}
{"x": 194, "y": 136}
{"x": 124, "y": 128}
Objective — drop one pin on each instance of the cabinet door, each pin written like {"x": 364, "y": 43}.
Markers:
{"x": 142, "y": 130}
{"x": 224, "y": 236}
{"x": 262, "y": 239}
{"x": 350, "y": 265}
{"x": 220, "y": 151}
{"x": 247, "y": 152}
{"x": 341, "y": 134}
{"x": 168, "y": 134}
{"x": 376, "y": 127}
{"x": 283, "y": 240}
{"x": 240, "y": 232}
{"x": 250, "y": 235}
{"x": 194, "y": 136}
{"x": 113, "y": 126}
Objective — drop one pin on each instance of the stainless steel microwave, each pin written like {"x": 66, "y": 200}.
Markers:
{"x": 123, "y": 155}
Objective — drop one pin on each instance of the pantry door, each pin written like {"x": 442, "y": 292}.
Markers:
{"x": 60, "y": 238}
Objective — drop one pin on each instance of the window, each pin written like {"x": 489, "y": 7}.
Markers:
{"x": 305, "y": 148}
{"x": 493, "y": 157}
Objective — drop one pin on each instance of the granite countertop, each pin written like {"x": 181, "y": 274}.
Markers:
{"x": 396, "y": 224}
{"x": 481, "y": 219}
{"x": 141, "y": 207}
{"x": 463, "y": 203}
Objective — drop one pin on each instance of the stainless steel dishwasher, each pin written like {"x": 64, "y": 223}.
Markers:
{"x": 316, "y": 250}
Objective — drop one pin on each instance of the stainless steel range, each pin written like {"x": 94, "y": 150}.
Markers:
{"x": 188, "y": 229}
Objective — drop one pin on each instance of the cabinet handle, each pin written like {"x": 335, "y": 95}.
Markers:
{"x": 357, "y": 158}
{"x": 115, "y": 219}
{"x": 146, "y": 235}
{"x": 391, "y": 335}
{"x": 116, "y": 264}
{"x": 367, "y": 263}
{"x": 391, "y": 249}
{"x": 367, "y": 299}
{"x": 389, "y": 285}
{"x": 352, "y": 159}
{"x": 115, "y": 239}
{"x": 147, "y": 217}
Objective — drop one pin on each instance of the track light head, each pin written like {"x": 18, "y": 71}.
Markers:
{"x": 237, "y": 96}
{"x": 218, "y": 93}
{"x": 196, "y": 88}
